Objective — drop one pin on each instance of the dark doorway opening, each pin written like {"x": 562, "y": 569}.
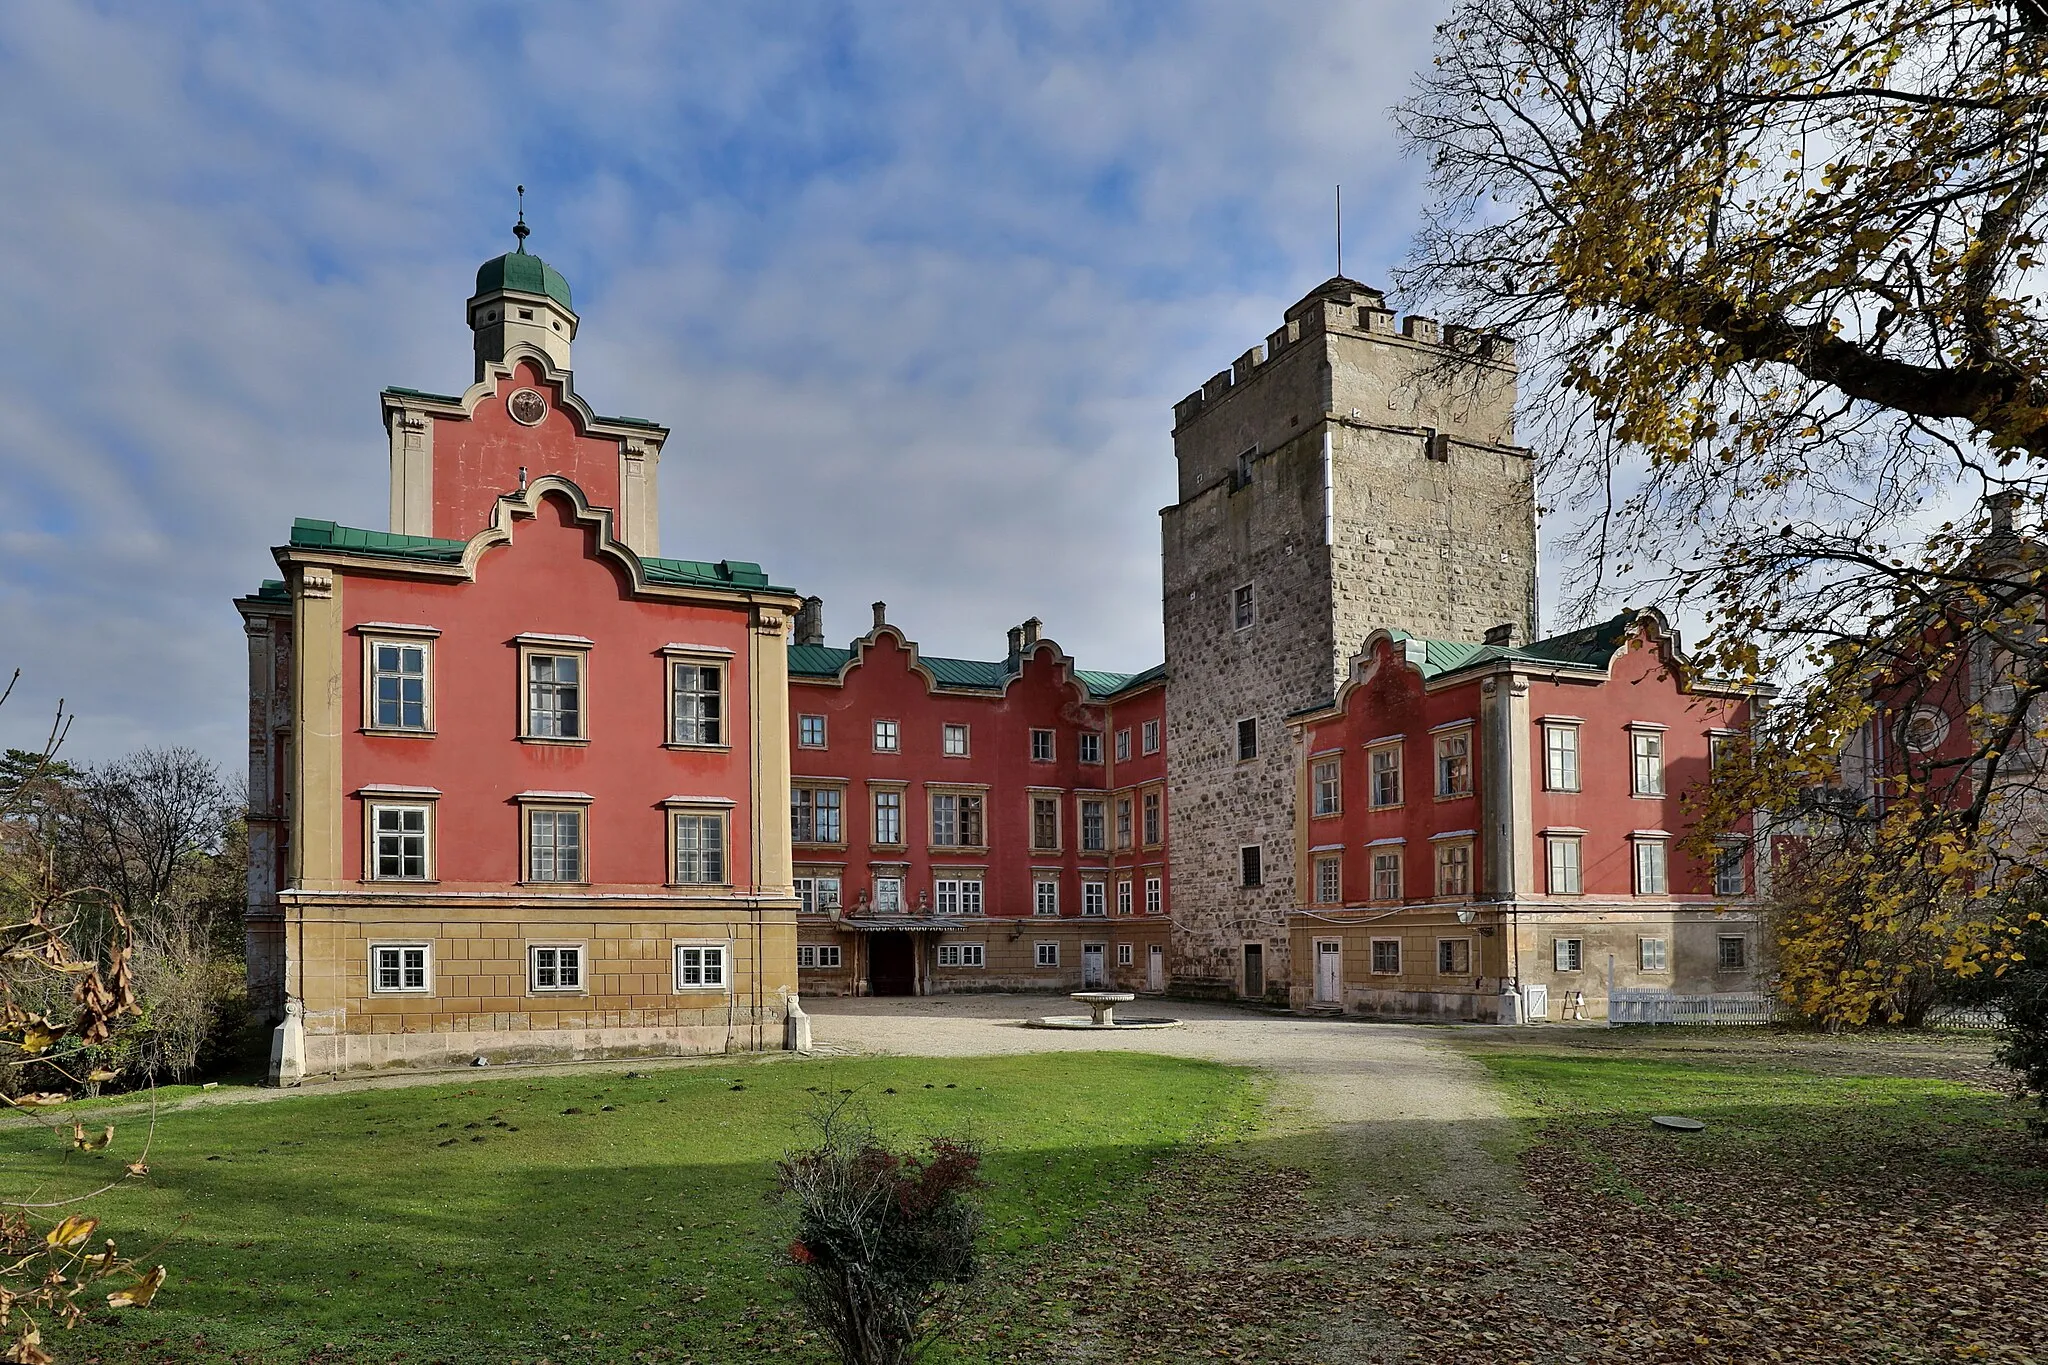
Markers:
{"x": 1254, "y": 970}
{"x": 892, "y": 963}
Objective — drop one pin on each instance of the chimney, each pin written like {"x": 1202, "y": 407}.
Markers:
{"x": 1016, "y": 643}
{"x": 1031, "y": 631}
{"x": 2001, "y": 505}
{"x": 881, "y": 615}
{"x": 1502, "y": 634}
{"x": 810, "y": 622}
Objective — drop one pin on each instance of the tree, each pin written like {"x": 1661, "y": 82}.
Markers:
{"x": 1773, "y": 264}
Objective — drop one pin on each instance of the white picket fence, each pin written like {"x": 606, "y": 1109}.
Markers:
{"x": 1662, "y": 1007}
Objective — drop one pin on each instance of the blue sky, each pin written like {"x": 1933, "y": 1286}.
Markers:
{"x": 915, "y": 286}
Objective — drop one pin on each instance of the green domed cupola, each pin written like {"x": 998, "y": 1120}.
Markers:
{"x": 521, "y": 300}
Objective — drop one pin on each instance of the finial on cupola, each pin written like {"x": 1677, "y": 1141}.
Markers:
{"x": 520, "y": 229}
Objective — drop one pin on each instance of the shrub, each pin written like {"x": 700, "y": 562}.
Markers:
{"x": 879, "y": 1236}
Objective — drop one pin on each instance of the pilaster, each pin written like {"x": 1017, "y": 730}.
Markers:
{"x": 317, "y": 696}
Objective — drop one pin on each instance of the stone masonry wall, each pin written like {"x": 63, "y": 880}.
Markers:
{"x": 1435, "y": 546}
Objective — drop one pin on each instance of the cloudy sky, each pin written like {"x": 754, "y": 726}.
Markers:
{"x": 915, "y": 285}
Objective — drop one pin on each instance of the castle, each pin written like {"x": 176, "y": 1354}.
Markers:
{"x": 518, "y": 782}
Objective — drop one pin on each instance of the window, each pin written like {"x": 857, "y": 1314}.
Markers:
{"x": 700, "y": 966}
{"x": 1094, "y": 831}
{"x": 1152, "y": 899}
{"x": 822, "y": 956}
{"x": 554, "y": 845}
{"x": 1386, "y": 775}
{"x": 957, "y": 895}
{"x": 1562, "y": 856}
{"x": 962, "y": 955}
{"x": 953, "y": 741}
{"x": 1094, "y": 899}
{"x": 810, "y": 732}
{"x": 1247, "y": 740}
{"x": 1123, "y": 746}
{"x": 1090, "y": 742}
{"x": 1453, "y": 956}
{"x": 398, "y": 967}
{"x": 696, "y": 704}
{"x": 1150, "y": 737}
{"x": 888, "y": 817}
{"x": 885, "y": 736}
{"x": 1454, "y": 869}
{"x": 554, "y": 969}
{"x": 889, "y": 894}
{"x": 1041, "y": 746}
{"x": 1386, "y": 956}
{"x": 1125, "y": 955}
{"x": 1653, "y": 954}
{"x": 1151, "y": 819}
{"x": 814, "y": 815}
{"x": 1734, "y": 952}
{"x": 1123, "y": 898}
{"x": 1329, "y": 880}
{"x": 1561, "y": 758}
{"x": 398, "y": 685}
{"x": 1454, "y": 763}
{"x": 817, "y": 894}
{"x": 1244, "y": 466}
{"x": 956, "y": 820}
{"x": 1731, "y": 876}
{"x": 554, "y": 696}
{"x": 1045, "y": 897}
{"x": 1123, "y": 822}
{"x": 1568, "y": 954}
{"x": 1241, "y": 614}
{"x": 1650, "y": 879}
{"x": 1045, "y": 823}
{"x": 1328, "y": 781}
{"x": 1048, "y": 954}
{"x": 699, "y": 847}
{"x": 1646, "y": 751}
{"x": 1386, "y": 874}
{"x": 399, "y": 843}
{"x": 1248, "y": 868}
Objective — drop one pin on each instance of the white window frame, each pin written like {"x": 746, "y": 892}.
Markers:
{"x": 710, "y": 724}
{"x": 1561, "y": 770}
{"x": 1045, "y": 956}
{"x": 1126, "y": 955}
{"x": 1088, "y": 746}
{"x": 1383, "y": 777}
{"x": 1123, "y": 745}
{"x": 1559, "y": 870}
{"x": 836, "y": 806}
{"x": 957, "y": 894}
{"x": 1044, "y": 746}
{"x": 954, "y": 739}
{"x": 1449, "y": 758}
{"x": 1373, "y": 956}
{"x": 1651, "y": 861}
{"x": 1329, "y": 879}
{"x": 1126, "y": 822}
{"x": 1646, "y": 760}
{"x": 963, "y": 955}
{"x": 1100, "y": 843}
{"x": 887, "y": 800}
{"x": 1123, "y": 896}
{"x": 402, "y": 947}
{"x": 1045, "y": 897}
{"x": 888, "y": 737}
{"x": 889, "y": 894}
{"x": 1152, "y": 818}
{"x": 1387, "y": 860}
{"x": 373, "y": 834}
{"x": 1731, "y": 868}
{"x": 1155, "y": 893}
{"x": 1326, "y": 780}
{"x": 1149, "y": 736}
{"x": 1454, "y": 853}
{"x": 721, "y": 817}
{"x": 532, "y": 649}
{"x": 1094, "y": 898}
{"x": 529, "y": 846}
{"x": 810, "y": 891}
{"x": 695, "y": 956}
{"x": 1568, "y": 954}
{"x": 388, "y": 637}
{"x": 1444, "y": 968}
{"x": 561, "y": 960}
{"x": 803, "y": 723}
{"x": 1653, "y": 954}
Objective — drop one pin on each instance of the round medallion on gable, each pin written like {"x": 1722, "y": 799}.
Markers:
{"x": 527, "y": 406}
{"x": 1925, "y": 729}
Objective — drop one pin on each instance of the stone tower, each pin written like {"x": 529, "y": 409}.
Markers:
{"x": 1348, "y": 475}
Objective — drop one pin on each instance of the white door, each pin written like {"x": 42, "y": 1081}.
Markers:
{"x": 1155, "y": 968}
{"x": 1329, "y": 971}
{"x": 1535, "y": 1001}
{"x": 1091, "y": 964}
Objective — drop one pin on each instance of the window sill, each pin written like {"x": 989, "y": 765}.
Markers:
{"x": 1326, "y": 815}
{"x": 399, "y": 881}
{"x": 698, "y": 886}
{"x": 699, "y": 748}
{"x": 888, "y": 848}
{"x": 1453, "y": 796}
{"x": 1647, "y": 796}
{"x": 951, "y": 850}
{"x": 428, "y": 995}
{"x": 556, "y": 993}
{"x": 394, "y": 732}
{"x": 819, "y": 844}
{"x": 542, "y": 886}
{"x": 555, "y": 742}
{"x": 699, "y": 990}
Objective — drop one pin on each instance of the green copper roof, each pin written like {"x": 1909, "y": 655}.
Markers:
{"x": 1590, "y": 648}
{"x": 527, "y": 274}
{"x": 823, "y": 661}
{"x": 688, "y": 573}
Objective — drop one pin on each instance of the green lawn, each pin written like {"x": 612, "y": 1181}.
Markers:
{"x": 586, "y": 1217}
